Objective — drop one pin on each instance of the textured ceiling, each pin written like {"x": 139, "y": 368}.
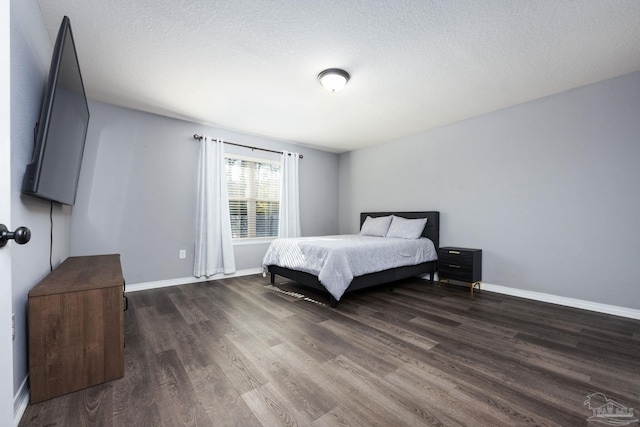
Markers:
{"x": 251, "y": 66}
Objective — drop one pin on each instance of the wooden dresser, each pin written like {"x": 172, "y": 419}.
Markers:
{"x": 76, "y": 326}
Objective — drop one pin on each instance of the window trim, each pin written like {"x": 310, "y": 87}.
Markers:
{"x": 246, "y": 241}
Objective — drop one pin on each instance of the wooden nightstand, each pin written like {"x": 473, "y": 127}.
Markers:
{"x": 462, "y": 264}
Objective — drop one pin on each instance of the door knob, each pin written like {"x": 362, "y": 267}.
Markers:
{"x": 22, "y": 235}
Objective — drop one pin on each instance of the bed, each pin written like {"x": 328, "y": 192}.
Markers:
{"x": 272, "y": 263}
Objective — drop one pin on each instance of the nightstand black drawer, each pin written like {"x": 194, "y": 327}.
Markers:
{"x": 451, "y": 271}
{"x": 462, "y": 264}
{"x": 455, "y": 257}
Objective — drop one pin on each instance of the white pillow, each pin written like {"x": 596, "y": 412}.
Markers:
{"x": 406, "y": 228}
{"x": 376, "y": 226}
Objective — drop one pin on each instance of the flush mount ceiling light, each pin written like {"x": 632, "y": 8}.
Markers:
{"x": 333, "y": 79}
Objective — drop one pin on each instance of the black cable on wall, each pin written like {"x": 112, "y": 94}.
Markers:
{"x": 51, "y": 237}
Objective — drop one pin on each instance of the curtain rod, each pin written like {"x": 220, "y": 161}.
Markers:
{"x": 199, "y": 138}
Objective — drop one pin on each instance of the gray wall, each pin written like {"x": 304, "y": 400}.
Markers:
{"x": 31, "y": 50}
{"x": 137, "y": 192}
{"x": 548, "y": 189}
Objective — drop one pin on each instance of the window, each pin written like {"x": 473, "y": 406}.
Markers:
{"x": 254, "y": 197}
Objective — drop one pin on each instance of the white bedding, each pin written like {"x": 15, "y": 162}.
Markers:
{"x": 336, "y": 260}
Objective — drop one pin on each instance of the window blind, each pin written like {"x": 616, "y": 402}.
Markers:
{"x": 254, "y": 197}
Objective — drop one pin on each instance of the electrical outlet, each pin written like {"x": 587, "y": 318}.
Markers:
{"x": 183, "y": 253}
{"x": 13, "y": 327}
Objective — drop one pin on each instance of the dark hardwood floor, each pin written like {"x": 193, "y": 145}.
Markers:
{"x": 236, "y": 353}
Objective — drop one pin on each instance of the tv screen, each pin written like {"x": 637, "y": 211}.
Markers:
{"x": 60, "y": 133}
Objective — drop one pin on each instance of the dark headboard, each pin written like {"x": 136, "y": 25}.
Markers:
{"x": 431, "y": 230}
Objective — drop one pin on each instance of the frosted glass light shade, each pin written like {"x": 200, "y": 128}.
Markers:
{"x": 333, "y": 79}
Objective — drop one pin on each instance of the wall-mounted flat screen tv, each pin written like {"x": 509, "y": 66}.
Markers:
{"x": 60, "y": 133}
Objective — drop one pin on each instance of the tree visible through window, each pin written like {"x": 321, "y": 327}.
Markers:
{"x": 254, "y": 197}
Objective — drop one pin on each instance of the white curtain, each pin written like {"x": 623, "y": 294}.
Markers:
{"x": 214, "y": 248}
{"x": 289, "y": 216}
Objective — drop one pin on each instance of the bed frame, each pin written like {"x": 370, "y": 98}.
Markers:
{"x": 431, "y": 231}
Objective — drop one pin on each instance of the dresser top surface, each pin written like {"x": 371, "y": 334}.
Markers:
{"x": 80, "y": 274}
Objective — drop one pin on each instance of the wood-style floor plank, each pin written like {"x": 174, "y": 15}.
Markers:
{"x": 239, "y": 352}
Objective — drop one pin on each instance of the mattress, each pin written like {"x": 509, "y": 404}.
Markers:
{"x": 336, "y": 260}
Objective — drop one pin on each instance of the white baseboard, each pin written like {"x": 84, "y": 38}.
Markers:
{"x": 569, "y": 302}
{"x": 185, "y": 280}
{"x": 20, "y": 401}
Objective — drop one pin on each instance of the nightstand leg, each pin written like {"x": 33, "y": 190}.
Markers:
{"x": 473, "y": 285}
